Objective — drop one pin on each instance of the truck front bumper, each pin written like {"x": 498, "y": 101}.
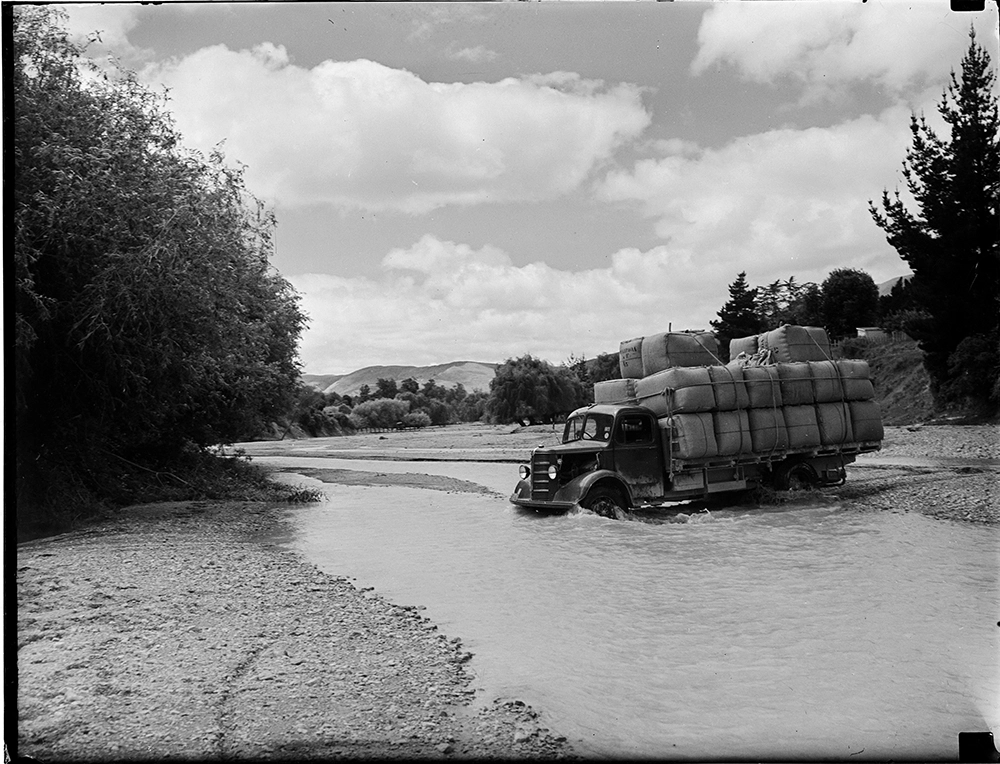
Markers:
{"x": 542, "y": 506}
{"x": 522, "y": 498}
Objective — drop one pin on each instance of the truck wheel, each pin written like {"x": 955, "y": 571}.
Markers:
{"x": 794, "y": 477}
{"x": 606, "y": 502}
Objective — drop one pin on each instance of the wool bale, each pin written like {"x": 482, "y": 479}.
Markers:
{"x": 866, "y": 421}
{"x": 615, "y": 391}
{"x": 691, "y": 436}
{"x": 732, "y": 433}
{"x": 630, "y": 358}
{"x": 796, "y": 384}
{"x": 677, "y": 390}
{"x": 763, "y": 386}
{"x": 730, "y": 390}
{"x": 834, "y": 420}
{"x": 746, "y": 345}
{"x": 803, "y": 429}
{"x": 794, "y": 344}
{"x": 827, "y": 387}
{"x": 767, "y": 429}
{"x": 667, "y": 349}
{"x": 855, "y": 378}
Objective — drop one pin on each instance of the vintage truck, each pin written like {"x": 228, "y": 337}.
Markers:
{"x": 617, "y": 457}
{"x": 673, "y": 433}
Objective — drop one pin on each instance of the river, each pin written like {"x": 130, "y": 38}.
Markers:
{"x": 816, "y": 631}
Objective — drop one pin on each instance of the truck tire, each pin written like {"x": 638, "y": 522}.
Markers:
{"x": 797, "y": 476}
{"x": 606, "y": 502}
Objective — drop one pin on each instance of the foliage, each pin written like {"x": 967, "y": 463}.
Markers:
{"x": 148, "y": 319}
{"x": 850, "y": 300}
{"x": 385, "y": 388}
{"x": 416, "y": 419}
{"x": 532, "y": 391}
{"x": 381, "y": 413}
{"x": 738, "y": 317}
{"x": 952, "y": 241}
{"x": 591, "y": 371}
{"x": 787, "y": 302}
{"x": 974, "y": 372}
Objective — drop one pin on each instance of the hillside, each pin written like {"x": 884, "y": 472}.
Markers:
{"x": 902, "y": 387}
{"x": 470, "y": 374}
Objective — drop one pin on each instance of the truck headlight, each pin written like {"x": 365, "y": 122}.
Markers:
{"x": 523, "y": 471}
{"x": 553, "y": 472}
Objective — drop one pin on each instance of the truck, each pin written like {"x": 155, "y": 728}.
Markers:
{"x": 681, "y": 425}
{"x": 615, "y": 458}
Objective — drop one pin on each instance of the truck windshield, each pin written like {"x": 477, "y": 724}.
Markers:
{"x": 589, "y": 427}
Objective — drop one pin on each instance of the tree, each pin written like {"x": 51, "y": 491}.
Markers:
{"x": 952, "y": 241}
{"x": 148, "y": 321}
{"x": 532, "y": 391}
{"x": 786, "y": 302}
{"x": 409, "y": 385}
{"x": 382, "y": 413}
{"x": 738, "y": 317}
{"x": 605, "y": 367}
{"x": 850, "y": 300}
{"x": 385, "y": 388}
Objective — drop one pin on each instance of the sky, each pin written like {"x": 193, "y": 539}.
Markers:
{"x": 478, "y": 181}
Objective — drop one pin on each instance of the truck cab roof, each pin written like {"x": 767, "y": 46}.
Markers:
{"x": 611, "y": 409}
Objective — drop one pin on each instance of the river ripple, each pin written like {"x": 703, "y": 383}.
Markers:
{"x": 814, "y": 631}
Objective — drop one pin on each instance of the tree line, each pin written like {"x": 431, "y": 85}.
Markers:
{"x": 391, "y": 405}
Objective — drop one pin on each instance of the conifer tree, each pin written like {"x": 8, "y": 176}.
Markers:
{"x": 738, "y": 317}
{"x": 952, "y": 241}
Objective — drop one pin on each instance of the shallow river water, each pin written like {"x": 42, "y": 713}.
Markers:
{"x": 815, "y": 631}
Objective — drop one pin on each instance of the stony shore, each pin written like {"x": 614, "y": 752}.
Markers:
{"x": 186, "y": 631}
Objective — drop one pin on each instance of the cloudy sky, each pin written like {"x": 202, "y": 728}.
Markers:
{"x": 463, "y": 181}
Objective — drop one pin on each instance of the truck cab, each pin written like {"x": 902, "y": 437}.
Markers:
{"x": 609, "y": 454}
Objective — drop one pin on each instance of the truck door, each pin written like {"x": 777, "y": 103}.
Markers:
{"x": 637, "y": 457}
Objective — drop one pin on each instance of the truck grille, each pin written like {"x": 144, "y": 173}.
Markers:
{"x": 542, "y": 489}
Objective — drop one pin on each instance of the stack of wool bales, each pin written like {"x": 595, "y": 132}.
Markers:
{"x": 727, "y": 411}
{"x": 786, "y": 344}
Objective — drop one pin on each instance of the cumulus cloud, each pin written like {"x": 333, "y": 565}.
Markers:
{"x": 826, "y": 45}
{"x": 776, "y": 203}
{"x": 106, "y": 28}
{"x": 440, "y": 300}
{"x": 359, "y": 134}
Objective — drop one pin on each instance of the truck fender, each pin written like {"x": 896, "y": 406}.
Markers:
{"x": 576, "y": 490}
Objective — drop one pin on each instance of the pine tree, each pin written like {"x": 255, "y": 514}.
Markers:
{"x": 952, "y": 244}
{"x": 738, "y": 317}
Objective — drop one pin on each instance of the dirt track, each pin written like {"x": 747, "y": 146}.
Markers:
{"x": 183, "y": 630}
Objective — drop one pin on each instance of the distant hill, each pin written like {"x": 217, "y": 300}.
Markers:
{"x": 886, "y": 286}
{"x": 470, "y": 374}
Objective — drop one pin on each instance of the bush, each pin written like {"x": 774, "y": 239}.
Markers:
{"x": 381, "y": 413}
{"x": 417, "y": 419}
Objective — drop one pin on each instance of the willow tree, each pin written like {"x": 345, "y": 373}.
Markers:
{"x": 148, "y": 320}
{"x": 951, "y": 240}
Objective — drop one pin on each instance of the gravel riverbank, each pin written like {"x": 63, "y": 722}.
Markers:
{"x": 185, "y": 630}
